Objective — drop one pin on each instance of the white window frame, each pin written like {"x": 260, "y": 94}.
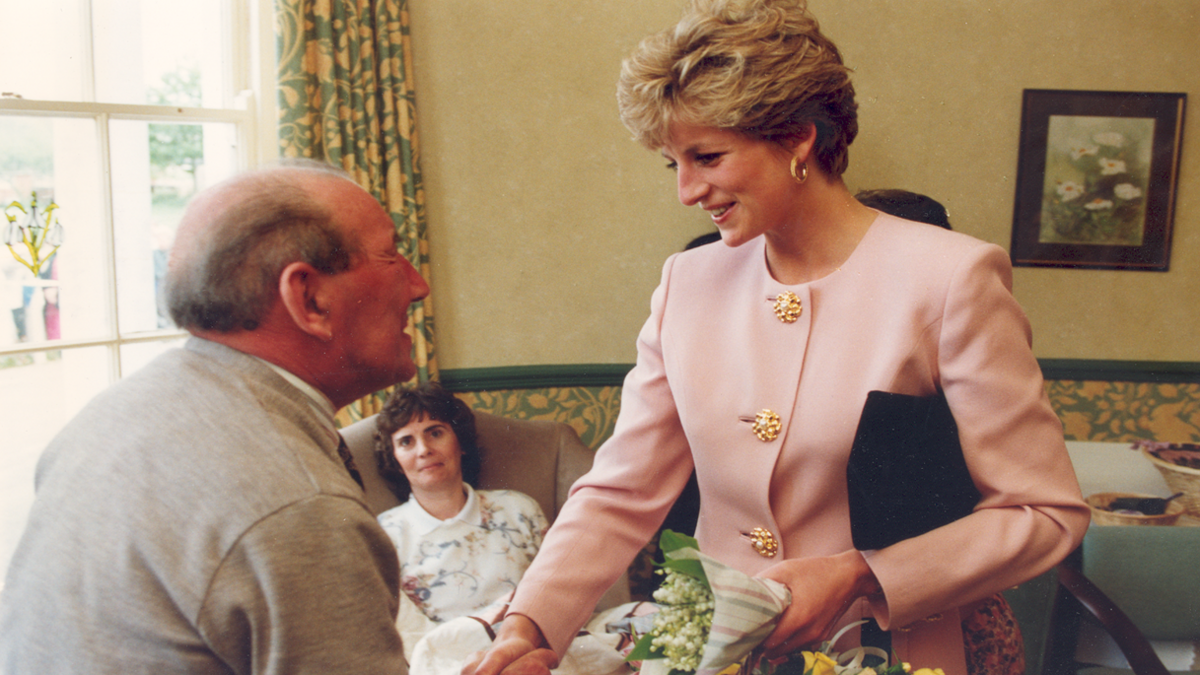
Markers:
{"x": 254, "y": 114}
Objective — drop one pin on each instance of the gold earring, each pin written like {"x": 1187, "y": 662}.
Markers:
{"x": 803, "y": 174}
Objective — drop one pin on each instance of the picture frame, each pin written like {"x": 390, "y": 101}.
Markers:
{"x": 1097, "y": 173}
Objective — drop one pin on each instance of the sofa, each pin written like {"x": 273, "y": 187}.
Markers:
{"x": 539, "y": 458}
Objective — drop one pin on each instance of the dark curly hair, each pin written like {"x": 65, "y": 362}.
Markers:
{"x": 432, "y": 401}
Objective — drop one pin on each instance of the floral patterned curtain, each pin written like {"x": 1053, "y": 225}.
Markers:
{"x": 345, "y": 95}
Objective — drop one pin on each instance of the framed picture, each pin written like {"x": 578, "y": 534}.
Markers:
{"x": 1096, "y": 179}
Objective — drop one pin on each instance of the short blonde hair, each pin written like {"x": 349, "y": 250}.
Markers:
{"x": 761, "y": 67}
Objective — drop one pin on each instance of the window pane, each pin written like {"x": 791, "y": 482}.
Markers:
{"x": 39, "y": 393}
{"x": 160, "y": 167}
{"x": 54, "y": 73}
{"x": 69, "y": 297}
{"x": 162, "y": 52}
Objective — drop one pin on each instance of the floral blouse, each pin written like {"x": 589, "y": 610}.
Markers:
{"x": 470, "y": 563}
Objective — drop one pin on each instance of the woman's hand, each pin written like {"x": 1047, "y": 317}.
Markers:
{"x": 822, "y": 589}
{"x": 519, "y": 649}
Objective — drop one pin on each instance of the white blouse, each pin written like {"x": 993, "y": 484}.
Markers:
{"x": 470, "y": 563}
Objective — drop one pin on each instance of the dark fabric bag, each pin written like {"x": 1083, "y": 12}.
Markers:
{"x": 906, "y": 474}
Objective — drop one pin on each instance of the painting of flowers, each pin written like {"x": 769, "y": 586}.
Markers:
{"x": 1097, "y": 170}
{"x": 1096, "y": 179}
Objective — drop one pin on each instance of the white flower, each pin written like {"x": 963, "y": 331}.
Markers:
{"x": 1098, "y": 204}
{"x": 683, "y": 621}
{"x": 1110, "y": 138}
{"x": 1069, "y": 190}
{"x": 1127, "y": 191}
{"x": 1079, "y": 151}
{"x": 1111, "y": 167}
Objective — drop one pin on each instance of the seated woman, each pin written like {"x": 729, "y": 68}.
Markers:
{"x": 462, "y": 551}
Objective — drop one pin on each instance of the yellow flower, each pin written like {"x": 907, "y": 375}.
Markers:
{"x": 819, "y": 664}
{"x": 929, "y": 671}
{"x": 732, "y": 669}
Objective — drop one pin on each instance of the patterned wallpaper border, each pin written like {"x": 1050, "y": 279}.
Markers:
{"x": 1116, "y": 401}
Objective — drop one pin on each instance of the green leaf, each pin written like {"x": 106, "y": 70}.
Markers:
{"x": 641, "y": 650}
{"x": 670, "y": 541}
{"x": 688, "y": 566}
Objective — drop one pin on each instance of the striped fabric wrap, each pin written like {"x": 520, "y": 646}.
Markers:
{"x": 745, "y": 614}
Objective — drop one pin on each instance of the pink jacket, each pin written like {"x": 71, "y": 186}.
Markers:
{"x": 914, "y": 308}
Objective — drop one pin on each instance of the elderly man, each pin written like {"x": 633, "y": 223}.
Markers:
{"x": 197, "y": 517}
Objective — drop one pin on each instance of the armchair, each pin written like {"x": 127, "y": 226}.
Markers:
{"x": 539, "y": 458}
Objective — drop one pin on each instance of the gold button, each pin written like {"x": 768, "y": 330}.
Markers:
{"x": 788, "y": 307}
{"x": 767, "y": 425}
{"x": 763, "y": 542}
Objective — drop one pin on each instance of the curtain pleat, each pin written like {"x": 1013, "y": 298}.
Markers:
{"x": 346, "y": 96}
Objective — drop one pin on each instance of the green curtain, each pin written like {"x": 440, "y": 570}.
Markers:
{"x": 346, "y": 96}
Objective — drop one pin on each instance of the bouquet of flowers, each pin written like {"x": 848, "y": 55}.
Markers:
{"x": 713, "y": 617}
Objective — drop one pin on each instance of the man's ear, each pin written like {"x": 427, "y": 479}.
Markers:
{"x": 302, "y": 289}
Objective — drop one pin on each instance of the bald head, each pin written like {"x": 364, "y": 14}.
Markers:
{"x": 236, "y": 238}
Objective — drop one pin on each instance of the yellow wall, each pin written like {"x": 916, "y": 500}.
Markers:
{"x": 548, "y": 226}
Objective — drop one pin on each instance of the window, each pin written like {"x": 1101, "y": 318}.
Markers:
{"x": 113, "y": 112}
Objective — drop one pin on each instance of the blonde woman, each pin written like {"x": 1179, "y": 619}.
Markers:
{"x": 758, "y": 356}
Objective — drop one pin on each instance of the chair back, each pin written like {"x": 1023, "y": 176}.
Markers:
{"x": 1151, "y": 573}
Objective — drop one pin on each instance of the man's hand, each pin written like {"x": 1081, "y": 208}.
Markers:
{"x": 519, "y": 649}
{"x": 822, "y": 589}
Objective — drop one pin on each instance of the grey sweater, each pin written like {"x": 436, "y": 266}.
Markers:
{"x": 195, "y": 518}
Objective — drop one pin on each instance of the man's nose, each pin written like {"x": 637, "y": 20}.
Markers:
{"x": 416, "y": 283}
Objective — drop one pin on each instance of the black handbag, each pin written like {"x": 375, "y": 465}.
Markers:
{"x": 906, "y": 474}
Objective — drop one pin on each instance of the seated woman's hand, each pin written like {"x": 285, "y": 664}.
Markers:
{"x": 822, "y": 589}
{"x": 519, "y": 649}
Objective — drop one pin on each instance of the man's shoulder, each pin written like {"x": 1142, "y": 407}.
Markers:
{"x": 186, "y": 381}
{"x": 183, "y": 425}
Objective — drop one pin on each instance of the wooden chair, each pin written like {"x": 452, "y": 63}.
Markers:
{"x": 1138, "y": 584}
{"x": 1132, "y": 643}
